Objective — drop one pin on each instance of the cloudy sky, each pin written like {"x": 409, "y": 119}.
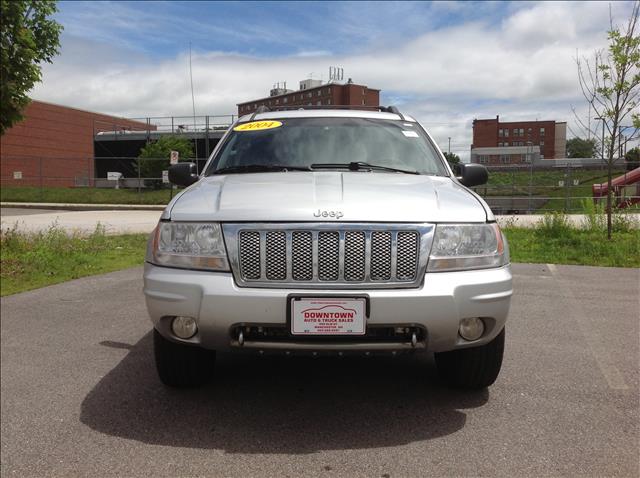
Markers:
{"x": 444, "y": 63}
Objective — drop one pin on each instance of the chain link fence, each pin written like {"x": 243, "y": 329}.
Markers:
{"x": 511, "y": 189}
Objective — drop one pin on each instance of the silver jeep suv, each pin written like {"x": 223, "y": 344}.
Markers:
{"x": 328, "y": 231}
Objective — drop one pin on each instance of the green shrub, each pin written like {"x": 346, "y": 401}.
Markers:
{"x": 554, "y": 224}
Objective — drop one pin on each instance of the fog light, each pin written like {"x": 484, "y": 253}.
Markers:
{"x": 184, "y": 327}
{"x": 471, "y": 329}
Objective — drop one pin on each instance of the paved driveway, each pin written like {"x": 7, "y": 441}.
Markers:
{"x": 80, "y": 395}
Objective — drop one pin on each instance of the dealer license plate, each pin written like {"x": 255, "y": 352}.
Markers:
{"x": 324, "y": 316}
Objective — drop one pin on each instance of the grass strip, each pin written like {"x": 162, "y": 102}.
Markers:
{"x": 574, "y": 246}
{"x": 30, "y": 261}
{"x": 85, "y": 195}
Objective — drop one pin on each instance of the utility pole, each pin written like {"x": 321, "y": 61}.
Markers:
{"x": 449, "y": 144}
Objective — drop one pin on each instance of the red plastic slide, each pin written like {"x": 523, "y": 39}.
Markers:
{"x": 626, "y": 189}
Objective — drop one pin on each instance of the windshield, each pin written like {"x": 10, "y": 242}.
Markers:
{"x": 300, "y": 143}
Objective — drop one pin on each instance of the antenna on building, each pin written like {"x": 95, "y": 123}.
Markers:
{"x": 336, "y": 73}
{"x": 193, "y": 105}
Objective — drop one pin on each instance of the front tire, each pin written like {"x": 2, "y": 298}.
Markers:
{"x": 474, "y": 367}
{"x": 181, "y": 365}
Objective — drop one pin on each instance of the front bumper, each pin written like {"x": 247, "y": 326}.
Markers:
{"x": 436, "y": 308}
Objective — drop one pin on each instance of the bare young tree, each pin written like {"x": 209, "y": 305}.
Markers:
{"x": 610, "y": 82}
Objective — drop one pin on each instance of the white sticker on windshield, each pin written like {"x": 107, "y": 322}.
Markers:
{"x": 410, "y": 134}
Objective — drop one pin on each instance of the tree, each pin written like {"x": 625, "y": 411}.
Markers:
{"x": 29, "y": 38}
{"x": 154, "y": 157}
{"x": 632, "y": 158}
{"x": 610, "y": 82}
{"x": 453, "y": 158}
{"x": 581, "y": 148}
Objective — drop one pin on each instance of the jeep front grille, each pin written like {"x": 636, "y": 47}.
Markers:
{"x": 316, "y": 255}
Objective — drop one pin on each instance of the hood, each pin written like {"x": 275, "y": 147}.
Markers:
{"x": 327, "y": 196}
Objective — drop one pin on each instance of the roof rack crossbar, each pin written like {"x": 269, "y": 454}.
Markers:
{"x": 261, "y": 109}
{"x": 323, "y": 107}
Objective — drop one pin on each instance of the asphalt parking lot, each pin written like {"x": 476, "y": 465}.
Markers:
{"x": 80, "y": 396}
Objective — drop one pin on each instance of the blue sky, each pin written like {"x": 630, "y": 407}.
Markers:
{"x": 446, "y": 63}
{"x": 273, "y": 29}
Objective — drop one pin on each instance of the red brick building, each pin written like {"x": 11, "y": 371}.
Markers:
{"x": 54, "y": 145}
{"x": 547, "y": 139}
{"x": 314, "y": 93}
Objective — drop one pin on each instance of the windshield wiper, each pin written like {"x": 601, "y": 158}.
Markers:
{"x": 360, "y": 166}
{"x": 258, "y": 168}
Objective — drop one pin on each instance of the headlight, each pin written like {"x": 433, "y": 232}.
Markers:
{"x": 190, "y": 245}
{"x": 467, "y": 246}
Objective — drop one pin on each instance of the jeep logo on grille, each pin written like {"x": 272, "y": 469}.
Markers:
{"x": 334, "y": 214}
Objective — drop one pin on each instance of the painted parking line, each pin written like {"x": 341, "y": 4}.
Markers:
{"x": 598, "y": 350}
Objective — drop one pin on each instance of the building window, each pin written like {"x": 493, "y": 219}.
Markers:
{"x": 319, "y": 103}
{"x": 506, "y": 132}
{"x": 363, "y": 101}
{"x": 285, "y": 100}
{"x": 505, "y": 158}
{"x": 500, "y": 133}
{"x": 364, "y": 91}
{"x": 277, "y": 102}
{"x": 541, "y": 131}
{"x": 521, "y": 131}
{"x": 483, "y": 158}
{"x": 541, "y": 143}
{"x": 309, "y": 95}
{"x": 506, "y": 143}
{"x": 319, "y": 92}
{"x": 329, "y": 101}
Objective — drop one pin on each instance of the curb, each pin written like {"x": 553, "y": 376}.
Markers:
{"x": 84, "y": 207}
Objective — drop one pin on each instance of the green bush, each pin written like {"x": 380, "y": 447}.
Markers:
{"x": 554, "y": 224}
{"x": 596, "y": 218}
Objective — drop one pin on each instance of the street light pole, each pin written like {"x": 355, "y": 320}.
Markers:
{"x": 602, "y": 142}
{"x": 530, "y": 158}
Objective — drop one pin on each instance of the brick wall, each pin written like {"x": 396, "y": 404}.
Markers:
{"x": 53, "y": 145}
{"x": 486, "y": 134}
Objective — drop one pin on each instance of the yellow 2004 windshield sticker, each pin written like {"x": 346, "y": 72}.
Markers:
{"x": 258, "y": 126}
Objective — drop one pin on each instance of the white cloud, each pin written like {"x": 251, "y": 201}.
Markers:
{"x": 521, "y": 67}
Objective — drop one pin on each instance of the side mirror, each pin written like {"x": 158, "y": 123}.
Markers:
{"x": 471, "y": 174}
{"x": 183, "y": 174}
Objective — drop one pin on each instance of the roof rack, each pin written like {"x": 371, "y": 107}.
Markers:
{"x": 261, "y": 109}
{"x": 394, "y": 110}
{"x": 385, "y": 109}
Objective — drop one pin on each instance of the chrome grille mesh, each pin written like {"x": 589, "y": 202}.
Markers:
{"x": 354, "y": 260}
{"x": 302, "y": 256}
{"x": 276, "y": 258}
{"x": 250, "y": 254}
{"x": 407, "y": 255}
{"x": 328, "y": 255}
{"x": 381, "y": 256}
{"x": 268, "y": 255}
